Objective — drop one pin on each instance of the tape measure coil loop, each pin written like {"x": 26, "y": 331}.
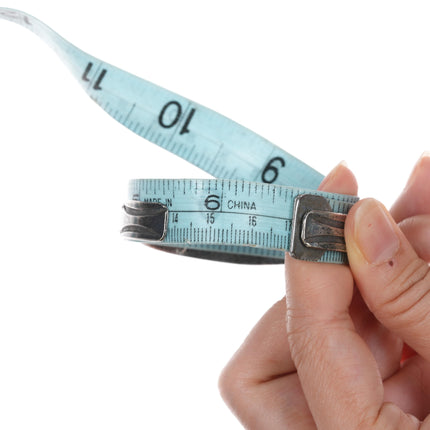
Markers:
{"x": 227, "y": 217}
{"x": 228, "y": 229}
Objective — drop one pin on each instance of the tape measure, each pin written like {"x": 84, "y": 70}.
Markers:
{"x": 265, "y": 205}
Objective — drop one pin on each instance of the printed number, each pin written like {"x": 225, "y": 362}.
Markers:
{"x": 253, "y": 220}
{"x": 171, "y": 114}
{"x": 271, "y": 172}
{"x": 210, "y": 219}
{"x": 175, "y": 217}
{"x": 96, "y": 86}
{"x": 212, "y": 203}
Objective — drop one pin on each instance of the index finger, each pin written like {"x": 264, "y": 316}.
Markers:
{"x": 415, "y": 198}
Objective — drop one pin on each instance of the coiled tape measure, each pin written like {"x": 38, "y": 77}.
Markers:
{"x": 265, "y": 205}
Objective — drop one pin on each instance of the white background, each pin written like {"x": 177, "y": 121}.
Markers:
{"x": 100, "y": 333}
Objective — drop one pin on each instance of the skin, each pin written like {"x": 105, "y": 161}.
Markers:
{"x": 329, "y": 354}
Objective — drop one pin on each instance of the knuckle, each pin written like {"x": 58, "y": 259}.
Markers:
{"x": 299, "y": 334}
{"x": 232, "y": 385}
{"x": 308, "y": 337}
{"x": 366, "y": 422}
{"x": 407, "y": 297}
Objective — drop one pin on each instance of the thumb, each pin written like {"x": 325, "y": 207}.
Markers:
{"x": 393, "y": 280}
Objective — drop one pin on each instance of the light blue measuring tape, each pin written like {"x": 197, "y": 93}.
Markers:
{"x": 265, "y": 205}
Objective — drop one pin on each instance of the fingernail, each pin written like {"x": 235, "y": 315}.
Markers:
{"x": 375, "y": 232}
{"x": 422, "y": 167}
{"x": 333, "y": 173}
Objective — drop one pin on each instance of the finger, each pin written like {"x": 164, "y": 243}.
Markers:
{"x": 409, "y": 388}
{"x": 417, "y": 231}
{"x": 259, "y": 383}
{"x": 392, "y": 279}
{"x": 415, "y": 198}
{"x": 332, "y": 360}
{"x": 265, "y": 353}
{"x": 340, "y": 180}
{"x": 338, "y": 373}
{"x": 319, "y": 328}
{"x": 384, "y": 345}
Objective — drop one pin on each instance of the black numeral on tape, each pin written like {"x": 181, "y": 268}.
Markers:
{"x": 99, "y": 79}
{"x": 271, "y": 171}
{"x": 212, "y": 202}
{"x": 171, "y": 114}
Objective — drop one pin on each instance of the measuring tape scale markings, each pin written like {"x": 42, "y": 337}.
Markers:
{"x": 203, "y": 137}
{"x": 254, "y": 219}
{"x": 203, "y": 223}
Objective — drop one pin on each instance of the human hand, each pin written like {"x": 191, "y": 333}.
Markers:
{"x": 337, "y": 366}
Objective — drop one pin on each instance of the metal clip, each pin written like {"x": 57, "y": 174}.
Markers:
{"x": 315, "y": 228}
{"x": 144, "y": 221}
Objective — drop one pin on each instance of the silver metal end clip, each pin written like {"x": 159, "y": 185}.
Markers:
{"x": 144, "y": 221}
{"x": 316, "y": 229}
